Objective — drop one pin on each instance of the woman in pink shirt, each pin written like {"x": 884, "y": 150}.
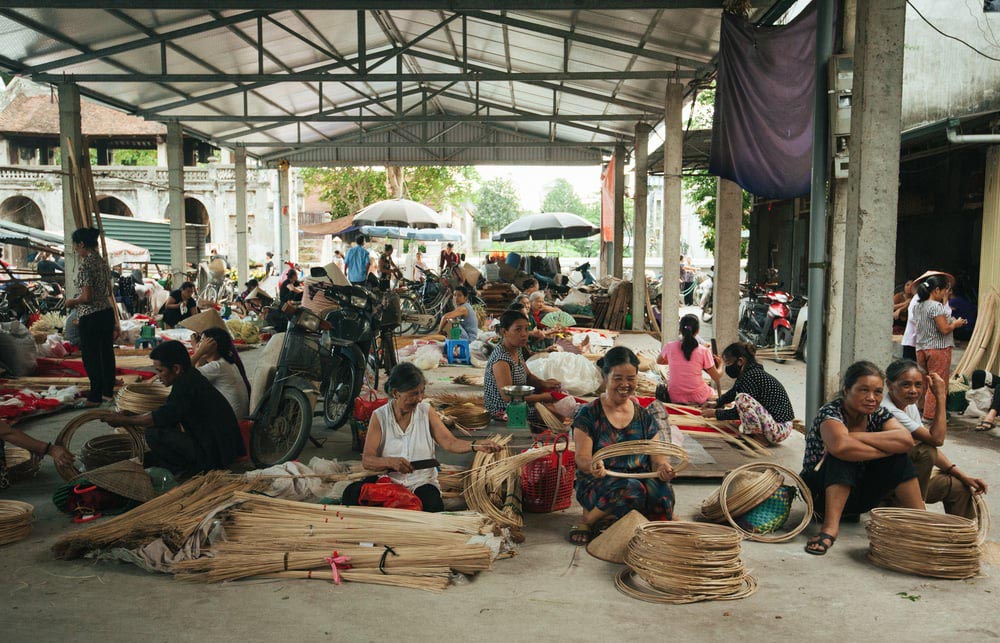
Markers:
{"x": 687, "y": 359}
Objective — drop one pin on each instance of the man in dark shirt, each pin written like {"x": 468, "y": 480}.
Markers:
{"x": 195, "y": 430}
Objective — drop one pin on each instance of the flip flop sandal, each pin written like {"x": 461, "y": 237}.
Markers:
{"x": 580, "y": 535}
{"x": 985, "y": 426}
{"x": 819, "y": 544}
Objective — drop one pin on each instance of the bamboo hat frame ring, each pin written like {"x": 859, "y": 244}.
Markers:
{"x": 641, "y": 447}
{"x": 764, "y": 538}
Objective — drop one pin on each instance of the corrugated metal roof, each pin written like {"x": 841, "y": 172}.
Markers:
{"x": 152, "y": 235}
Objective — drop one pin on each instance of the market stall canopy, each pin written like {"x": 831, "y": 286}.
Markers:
{"x": 119, "y": 251}
{"x": 397, "y": 212}
{"x": 547, "y": 225}
{"x": 425, "y": 234}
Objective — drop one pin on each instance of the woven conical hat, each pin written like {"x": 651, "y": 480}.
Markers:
{"x": 203, "y": 321}
{"x": 611, "y": 545}
{"x": 126, "y": 478}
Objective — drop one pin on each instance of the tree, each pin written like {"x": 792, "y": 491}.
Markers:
{"x": 497, "y": 203}
{"x": 562, "y": 198}
{"x": 700, "y": 190}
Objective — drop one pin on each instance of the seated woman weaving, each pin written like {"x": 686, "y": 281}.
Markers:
{"x": 405, "y": 431}
{"x": 857, "y": 455}
{"x": 612, "y": 418}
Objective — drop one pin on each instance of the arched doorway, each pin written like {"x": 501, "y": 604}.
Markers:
{"x": 112, "y": 205}
{"x": 198, "y": 230}
{"x": 22, "y": 211}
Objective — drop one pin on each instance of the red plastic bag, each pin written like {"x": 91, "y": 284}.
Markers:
{"x": 363, "y": 408}
{"x": 386, "y": 493}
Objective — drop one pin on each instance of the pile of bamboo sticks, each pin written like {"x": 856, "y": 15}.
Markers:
{"x": 983, "y": 350}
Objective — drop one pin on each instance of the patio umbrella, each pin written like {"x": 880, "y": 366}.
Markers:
{"x": 401, "y": 213}
{"x": 426, "y": 234}
{"x": 547, "y": 225}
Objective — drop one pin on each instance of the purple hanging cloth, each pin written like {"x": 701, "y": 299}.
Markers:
{"x": 762, "y": 128}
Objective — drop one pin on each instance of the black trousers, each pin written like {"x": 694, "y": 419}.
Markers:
{"x": 98, "y": 351}
{"x": 430, "y": 496}
{"x": 173, "y": 450}
{"x": 910, "y": 352}
{"x": 870, "y": 482}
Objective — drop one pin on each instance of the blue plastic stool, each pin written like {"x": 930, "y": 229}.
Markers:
{"x": 148, "y": 342}
{"x": 457, "y": 351}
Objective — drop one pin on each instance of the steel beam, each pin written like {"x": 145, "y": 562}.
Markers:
{"x": 397, "y": 118}
{"x": 443, "y": 145}
{"x": 362, "y": 5}
{"x": 314, "y": 77}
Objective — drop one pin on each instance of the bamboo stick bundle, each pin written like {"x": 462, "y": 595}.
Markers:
{"x": 173, "y": 516}
{"x": 223, "y": 566}
{"x": 982, "y": 335}
{"x": 287, "y": 533}
{"x": 489, "y": 494}
{"x": 469, "y": 380}
{"x": 641, "y": 447}
{"x": 446, "y": 400}
{"x": 423, "y": 578}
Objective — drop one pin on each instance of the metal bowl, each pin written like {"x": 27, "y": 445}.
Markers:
{"x": 518, "y": 391}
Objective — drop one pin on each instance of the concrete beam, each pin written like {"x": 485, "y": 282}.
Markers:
{"x": 69, "y": 135}
{"x": 639, "y": 244}
{"x": 872, "y": 185}
{"x": 728, "y": 225}
{"x": 175, "y": 203}
{"x": 242, "y": 250}
{"x": 618, "y": 238}
{"x": 673, "y": 147}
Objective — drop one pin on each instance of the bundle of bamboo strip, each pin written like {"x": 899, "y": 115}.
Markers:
{"x": 142, "y": 397}
{"x": 494, "y": 491}
{"x": 690, "y": 416}
{"x": 982, "y": 518}
{"x": 429, "y": 579}
{"x": 642, "y": 447}
{"x": 923, "y": 543}
{"x": 469, "y": 380}
{"x": 173, "y": 516}
{"x": 983, "y": 349}
{"x": 15, "y": 521}
{"x": 551, "y": 421}
{"x": 64, "y": 439}
{"x": 685, "y": 562}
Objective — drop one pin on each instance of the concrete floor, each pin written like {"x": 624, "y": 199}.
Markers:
{"x": 550, "y": 590}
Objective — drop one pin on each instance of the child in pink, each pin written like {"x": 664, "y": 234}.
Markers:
{"x": 688, "y": 359}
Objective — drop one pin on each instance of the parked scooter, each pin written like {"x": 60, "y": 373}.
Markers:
{"x": 765, "y": 319}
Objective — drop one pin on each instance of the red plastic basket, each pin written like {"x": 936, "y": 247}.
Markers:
{"x": 547, "y": 483}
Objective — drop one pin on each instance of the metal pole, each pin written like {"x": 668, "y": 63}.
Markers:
{"x": 817, "y": 211}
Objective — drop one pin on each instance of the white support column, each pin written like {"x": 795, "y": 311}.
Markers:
{"x": 728, "y": 225}
{"x": 69, "y": 131}
{"x": 872, "y": 184}
{"x": 618, "y": 244}
{"x": 242, "y": 254}
{"x": 673, "y": 146}
{"x": 284, "y": 215}
{"x": 639, "y": 244}
{"x": 175, "y": 203}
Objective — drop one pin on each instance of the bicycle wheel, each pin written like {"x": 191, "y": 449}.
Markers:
{"x": 387, "y": 352}
{"x": 409, "y": 305}
{"x": 283, "y": 438}
{"x": 342, "y": 389}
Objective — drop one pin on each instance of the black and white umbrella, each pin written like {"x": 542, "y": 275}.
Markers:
{"x": 401, "y": 213}
{"x": 547, "y": 225}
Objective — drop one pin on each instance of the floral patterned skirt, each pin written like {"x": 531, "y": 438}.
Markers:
{"x": 651, "y": 497}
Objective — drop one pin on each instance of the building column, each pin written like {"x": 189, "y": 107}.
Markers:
{"x": 69, "y": 134}
{"x": 673, "y": 146}
{"x": 242, "y": 255}
{"x": 872, "y": 185}
{"x": 618, "y": 242}
{"x": 728, "y": 226}
{"x": 284, "y": 216}
{"x": 175, "y": 203}
{"x": 639, "y": 244}
{"x": 989, "y": 267}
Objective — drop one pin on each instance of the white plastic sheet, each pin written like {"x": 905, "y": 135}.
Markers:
{"x": 577, "y": 374}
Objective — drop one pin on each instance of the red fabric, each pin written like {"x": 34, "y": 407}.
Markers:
{"x": 29, "y": 403}
{"x": 386, "y": 493}
{"x": 363, "y": 408}
{"x": 65, "y": 367}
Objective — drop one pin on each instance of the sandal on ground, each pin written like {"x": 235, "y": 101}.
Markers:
{"x": 86, "y": 404}
{"x": 580, "y": 534}
{"x": 985, "y": 425}
{"x": 819, "y": 544}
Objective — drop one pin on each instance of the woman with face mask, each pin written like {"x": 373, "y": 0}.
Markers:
{"x": 757, "y": 399}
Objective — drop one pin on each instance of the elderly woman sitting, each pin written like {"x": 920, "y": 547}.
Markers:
{"x": 539, "y": 333}
{"x": 404, "y": 431}
{"x": 612, "y": 418}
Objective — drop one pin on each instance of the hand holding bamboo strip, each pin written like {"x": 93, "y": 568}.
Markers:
{"x": 642, "y": 447}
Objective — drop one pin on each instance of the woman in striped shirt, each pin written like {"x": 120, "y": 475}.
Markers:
{"x": 935, "y": 326}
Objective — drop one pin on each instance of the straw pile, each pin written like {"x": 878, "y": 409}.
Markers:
{"x": 142, "y": 397}
{"x": 923, "y": 543}
{"x": 642, "y": 447}
{"x": 551, "y": 421}
{"x": 173, "y": 516}
{"x": 685, "y": 562}
{"x": 469, "y": 380}
{"x": 137, "y": 447}
{"x": 738, "y": 495}
{"x": 15, "y": 521}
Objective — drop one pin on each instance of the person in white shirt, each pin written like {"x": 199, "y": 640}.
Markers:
{"x": 948, "y": 485}
{"x": 216, "y": 358}
{"x": 419, "y": 266}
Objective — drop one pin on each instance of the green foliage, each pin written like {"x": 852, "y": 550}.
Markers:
{"x": 497, "y": 203}
{"x": 700, "y": 190}
{"x": 134, "y": 157}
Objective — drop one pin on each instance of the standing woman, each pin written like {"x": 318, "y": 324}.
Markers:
{"x": 687, "y": 359}
{"x": 98, "y": 323}
{"x": 758, "y": 399}
{"x": 613, "y": 418}
{"x": 935, "y": 326}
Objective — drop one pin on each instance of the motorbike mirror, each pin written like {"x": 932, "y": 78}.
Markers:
{"x": 317, "y": 272}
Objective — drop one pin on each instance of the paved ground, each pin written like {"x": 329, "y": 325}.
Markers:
{"x": 551, "y": 590}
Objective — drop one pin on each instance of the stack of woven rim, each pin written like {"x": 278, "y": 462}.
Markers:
{"x": 685, "y": 562}
{"x": 923, "y": 543}
{"x": 19, "y": 462}
{"x": 141, "y": 397}
{"x": 15, "y": 520}
{"x": 103, "y": 450}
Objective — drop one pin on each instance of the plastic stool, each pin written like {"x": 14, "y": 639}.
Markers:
{"x": 457, "y": 351}
{"x": 148, "y": 342}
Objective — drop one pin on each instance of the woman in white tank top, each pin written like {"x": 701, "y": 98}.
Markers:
{"x": 408, "y": 430}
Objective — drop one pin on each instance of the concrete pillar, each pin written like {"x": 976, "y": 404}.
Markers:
{"x": 284, "y": 220}
{"x": 872, "y": 185}
{"x": 639, "y": 244}
{"x": 175, "y": 203}
{"x": 728, "y": 225}
{"x": 618, "y": 242}
{"x": 673, "y": 146}
{"x": 69, "y": 131}
{"x": 989, "y": 267}
{"x": 242, "y": 255}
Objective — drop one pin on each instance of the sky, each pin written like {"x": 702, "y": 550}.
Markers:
{"x": 532, "y": 181}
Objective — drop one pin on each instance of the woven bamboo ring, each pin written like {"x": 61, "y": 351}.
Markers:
{"x": 641, "y": 447}
{"x": 804, "y": 491}
{"x": 982, "y": 518}
{"x": 749, "y": 490}
{"x": 15, "y": 520}
{"x": 69, "y": 472}
{"x": 626, "y": 583}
